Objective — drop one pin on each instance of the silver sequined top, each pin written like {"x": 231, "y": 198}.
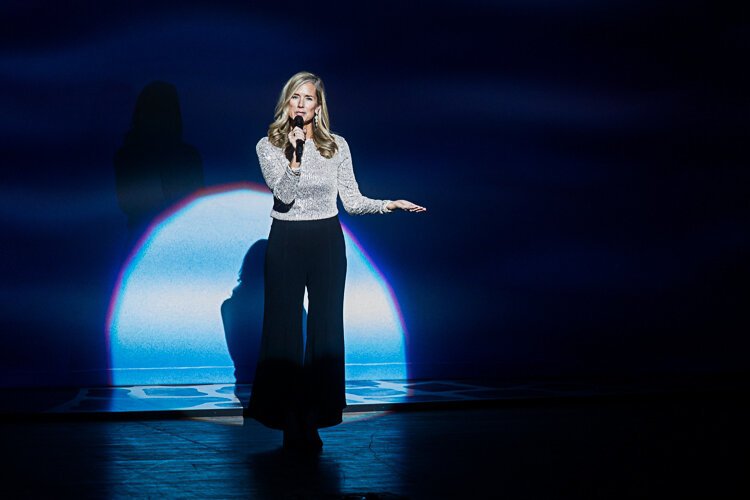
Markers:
{"x": 309, "y": 192}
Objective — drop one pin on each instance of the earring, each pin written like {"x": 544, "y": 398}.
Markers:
{"x": 315, "y": 121}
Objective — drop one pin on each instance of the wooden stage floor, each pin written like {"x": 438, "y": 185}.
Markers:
{"x": 636, "y": 445}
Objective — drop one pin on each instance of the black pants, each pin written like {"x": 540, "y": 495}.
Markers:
{"x": 291, "y": 377}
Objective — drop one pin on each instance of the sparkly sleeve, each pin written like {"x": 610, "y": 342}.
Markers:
{"x": 280, "y": 178}
{"x": 354, "y": 202}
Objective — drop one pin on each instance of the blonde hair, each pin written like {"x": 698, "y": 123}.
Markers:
{"x": 282, "y": 124}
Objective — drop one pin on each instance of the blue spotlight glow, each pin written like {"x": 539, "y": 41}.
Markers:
{"x": 165, "y": 324}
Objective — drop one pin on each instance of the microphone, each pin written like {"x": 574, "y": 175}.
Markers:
{"x": 298, "y": 122}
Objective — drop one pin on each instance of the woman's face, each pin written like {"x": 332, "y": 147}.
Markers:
{"x": 304, "y": 102}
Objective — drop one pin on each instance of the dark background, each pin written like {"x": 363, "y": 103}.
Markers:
{"x": 583, "y": 163}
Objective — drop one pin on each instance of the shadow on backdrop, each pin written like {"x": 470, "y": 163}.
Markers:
{"x": 154, "y": 168}
{"x": 242, "y": 314}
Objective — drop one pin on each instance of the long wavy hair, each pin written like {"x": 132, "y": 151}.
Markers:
{"x": 282, "y": 124}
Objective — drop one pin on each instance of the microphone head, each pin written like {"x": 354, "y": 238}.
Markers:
{"x": 298, "y": 121}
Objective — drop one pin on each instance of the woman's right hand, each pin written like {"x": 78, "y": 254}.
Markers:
{"x": 296, "y": 134}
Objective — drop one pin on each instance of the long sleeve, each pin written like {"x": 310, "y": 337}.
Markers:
{"x": 281, "y": 180}
{"x": 354, "y": 202}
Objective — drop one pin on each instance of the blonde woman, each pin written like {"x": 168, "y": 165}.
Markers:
{"x": 299, "y": 384}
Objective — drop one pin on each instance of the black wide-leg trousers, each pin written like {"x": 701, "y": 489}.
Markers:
{"x": 291, "y": 377}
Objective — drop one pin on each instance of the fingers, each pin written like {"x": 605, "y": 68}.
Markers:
{"x": 296, "y": 134}
{"x": 410, "y": 207}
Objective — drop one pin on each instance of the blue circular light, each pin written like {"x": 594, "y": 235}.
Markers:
{"x": 165, "y": 322}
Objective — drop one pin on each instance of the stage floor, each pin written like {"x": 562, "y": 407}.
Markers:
{"x": 676, "y": 447}
{"x": 361, "y": 395}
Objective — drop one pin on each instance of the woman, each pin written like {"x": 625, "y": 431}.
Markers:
{"x": 297, "y": 388}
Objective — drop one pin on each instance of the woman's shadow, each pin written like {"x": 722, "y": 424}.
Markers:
{"x": 242, "y": 316}
{"x": 155, "y": 168}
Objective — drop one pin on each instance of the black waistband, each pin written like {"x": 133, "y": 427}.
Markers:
{"x": 314, "y": 222}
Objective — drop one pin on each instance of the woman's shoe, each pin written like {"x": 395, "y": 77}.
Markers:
{"x": 293, "y": 441}
{"x": 313, "y": 441}
{"x": 310, "y": 432}
{"x": 293, "y": 436}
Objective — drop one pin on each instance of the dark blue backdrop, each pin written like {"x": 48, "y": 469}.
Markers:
{"x": 584, "y": 165}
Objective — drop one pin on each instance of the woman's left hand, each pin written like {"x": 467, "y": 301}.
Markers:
{"x": 405, "y": 205}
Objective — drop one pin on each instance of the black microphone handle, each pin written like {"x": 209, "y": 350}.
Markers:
{"x": 299, "y": 122}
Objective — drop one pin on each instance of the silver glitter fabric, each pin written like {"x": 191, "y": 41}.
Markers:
{"x": 310, "y": 192}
